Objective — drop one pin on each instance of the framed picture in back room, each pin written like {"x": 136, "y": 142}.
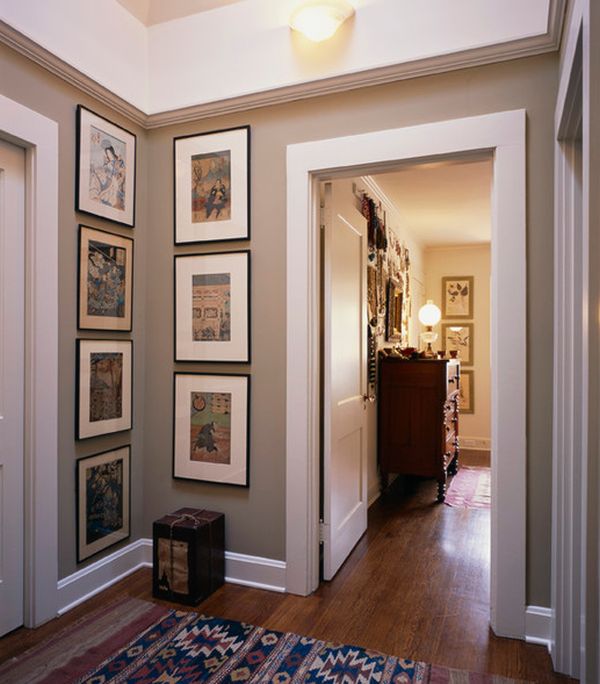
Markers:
{"x": 104, "y": 387}
{"x": 457, "y": 297}
{"x": 212, "y": 186}
{"x": 103, "y": 501}
{"x": 210, "y": 430}
{"x": 106, "y": 160}
{"x": 212, "y": 307}
{"x": 105, "y": 280}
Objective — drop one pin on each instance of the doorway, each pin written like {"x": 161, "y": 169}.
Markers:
{"x": 502, "y": 134}
{"x": 12, "y": 381}
{"x": 391, "y": 242}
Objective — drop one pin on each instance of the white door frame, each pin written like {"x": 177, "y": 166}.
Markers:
{"x": 307, "y": 163}
{"x": 39, "y": 136}
{"x": 575, "y": 518}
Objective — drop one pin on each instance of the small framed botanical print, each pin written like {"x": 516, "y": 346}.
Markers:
{"x": 106, "y": 159}
{"x": 458, "y": 337}
{"x": 103, "y": 501}
{"x": 212, "y": 307}
{"x": 105, "y": 285}
{"x": 210, "y": 434}
{"x": 212, "y": 186}
{"x": 466, "y": 397}
{"x": 457, "y": 297}
{"x": 104, "y": 387}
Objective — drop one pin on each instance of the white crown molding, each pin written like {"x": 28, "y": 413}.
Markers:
{"x": 44, "y": 58}
{"x": 525, "y": 47}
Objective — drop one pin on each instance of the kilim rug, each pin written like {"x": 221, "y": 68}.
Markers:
{"x": 173, "y": 647}
{"x": 470, "y": 488}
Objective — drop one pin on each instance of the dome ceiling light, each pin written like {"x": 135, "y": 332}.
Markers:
{"x": 318, "y": 20}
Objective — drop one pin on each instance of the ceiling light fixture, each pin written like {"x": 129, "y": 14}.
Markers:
{"x": 318, "y": 20}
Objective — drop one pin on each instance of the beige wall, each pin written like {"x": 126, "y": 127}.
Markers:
{"x": 255, "y": 517}
{"x": 472, "y": 260}
{"x": 34, "y": 87}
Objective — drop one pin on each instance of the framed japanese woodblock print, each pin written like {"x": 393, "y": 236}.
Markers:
{"x": 103, "y": 501}
{"x": 212, "y": 307}
{"x": 105, "y": 280}
{"x": 104, "y": 391}
{"x": 466, "y": 397}
{"x": 457, "y": 297}
{"x": 210, "y": 433}
{"x": 106, "y": 159}
{"x": 459, "y": 337}
{"x": 212, "y": 186}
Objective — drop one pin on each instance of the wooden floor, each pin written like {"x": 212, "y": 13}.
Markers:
{"x": 416, "y": 586}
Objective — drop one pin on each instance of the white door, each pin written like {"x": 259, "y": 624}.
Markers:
{"x": 344, "y": 375}
{"x": 12, "y": 225}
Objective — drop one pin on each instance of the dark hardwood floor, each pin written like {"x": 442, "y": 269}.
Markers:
{"x": 416, "y": 585}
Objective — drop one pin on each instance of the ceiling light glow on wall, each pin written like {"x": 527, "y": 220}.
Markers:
{"x": 318, "y": 20}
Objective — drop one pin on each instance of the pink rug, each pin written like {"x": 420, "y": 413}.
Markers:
{"x": 470, "y": 488}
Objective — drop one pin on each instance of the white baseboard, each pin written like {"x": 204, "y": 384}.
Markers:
{"x": 94, "y": 578}
{"x": 254, "y": 571}
{"x": 251, "y": 571}
{"x": 483, "y": 443}
{"x": 373, "y": 495}
{"x": 538, "y": 626}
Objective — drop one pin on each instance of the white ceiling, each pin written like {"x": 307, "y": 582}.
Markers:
{"x": 151, "y": 12}
{"x": 444, "y": 202}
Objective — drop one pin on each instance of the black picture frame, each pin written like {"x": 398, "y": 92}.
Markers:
{"x": 83, "y": 428}
{"x": 86, "y": 117}
{"x": 241, "y": 227}
{"x": 186, "y": 348}
{"x": 184, "y": 469}
{"x": 87, "y": 548}
{"x": 94, "y": 322}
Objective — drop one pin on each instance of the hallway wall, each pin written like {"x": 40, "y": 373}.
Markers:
{"x": 256, "y": 517}
{"x": 39, "y": 90}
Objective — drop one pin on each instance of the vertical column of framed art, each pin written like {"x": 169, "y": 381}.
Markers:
{"x": 211, "y": 411}
{"x": 458, "y": 333}
{"x": 105, "y": 188}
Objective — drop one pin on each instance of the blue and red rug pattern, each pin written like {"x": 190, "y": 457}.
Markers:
{"x": 185, "y": 647}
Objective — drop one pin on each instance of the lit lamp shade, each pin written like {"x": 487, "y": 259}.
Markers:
{"x": 429, "y": 314}
{"x": 318, "y": 20}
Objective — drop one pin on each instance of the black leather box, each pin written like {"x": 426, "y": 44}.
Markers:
{"x": 188, "y": 555}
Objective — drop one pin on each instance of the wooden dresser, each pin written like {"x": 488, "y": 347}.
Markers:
{"x": 417, "y": 416}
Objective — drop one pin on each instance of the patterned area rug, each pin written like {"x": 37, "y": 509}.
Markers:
{"x": 470, "y": 488}
{"x": 183, "y": 648}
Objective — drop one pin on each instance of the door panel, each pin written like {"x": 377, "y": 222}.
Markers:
{"x": 12, "y": 207}
{"x": 344, "y": 377}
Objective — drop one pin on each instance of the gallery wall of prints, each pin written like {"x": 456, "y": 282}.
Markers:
{"x": 211, "y": 412}
{"x": 389, "y": 272}
{"x": 458, "y": 331}
{"x": 105, "y": 189}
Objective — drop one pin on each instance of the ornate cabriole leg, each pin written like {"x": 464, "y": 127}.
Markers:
{"x": 442, "y": 488}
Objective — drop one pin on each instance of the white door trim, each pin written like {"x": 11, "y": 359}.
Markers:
{"x": 39, "y": 136}
{"x": 307, "y": 163}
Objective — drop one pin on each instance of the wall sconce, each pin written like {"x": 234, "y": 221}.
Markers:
{"x": 429, "y": 315}
{"x": 318, "y": 20}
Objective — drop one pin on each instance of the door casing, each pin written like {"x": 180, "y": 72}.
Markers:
{"x": 502, "y": 134}
{"x": 38, "y": 135}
